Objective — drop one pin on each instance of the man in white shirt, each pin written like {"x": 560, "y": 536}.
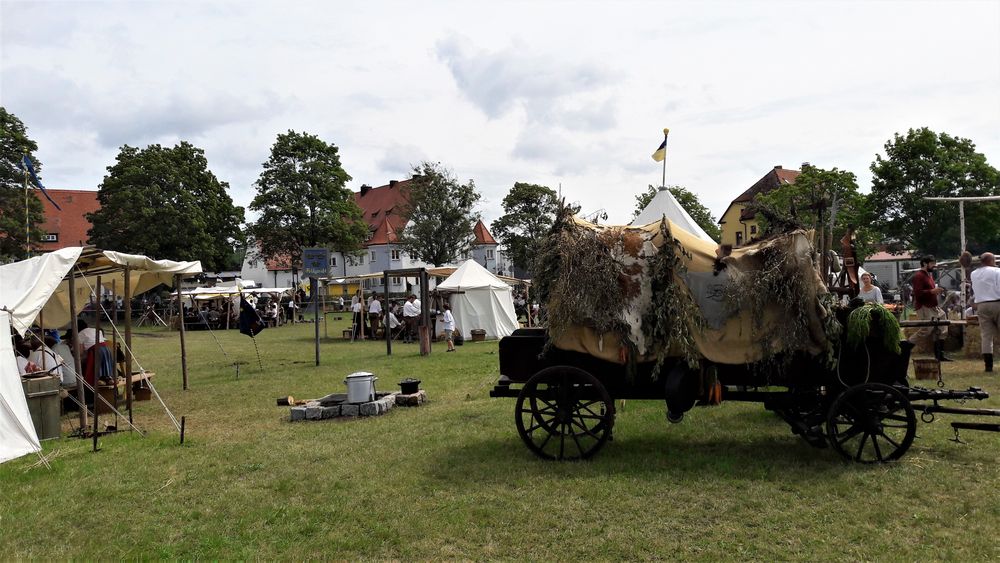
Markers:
{"x": 986, "y": 289}
{"x": 88, "y": 336}
{"x": 411, "y": 310}
{"x": 374, "y": 315}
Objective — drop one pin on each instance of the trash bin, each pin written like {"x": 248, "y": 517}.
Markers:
{"x": 42, "y": 394}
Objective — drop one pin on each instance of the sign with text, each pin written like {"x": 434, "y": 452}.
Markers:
{"x": 315, "y": 262}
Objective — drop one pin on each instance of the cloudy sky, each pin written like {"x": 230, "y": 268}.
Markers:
{"x": 572, "y": 92}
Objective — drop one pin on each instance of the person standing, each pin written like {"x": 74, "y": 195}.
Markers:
{"x": 449, "y": 327}
{"x": 869, "y": 291}
{"x": 410, "y": 313}
{"x": 986, "y": 291}
{"x": 358, "y": 320}
{"x": 925, "y": 299}
{"x": 374, "y": 315}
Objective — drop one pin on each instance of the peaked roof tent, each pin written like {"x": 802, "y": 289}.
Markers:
{"x": 665, "y": 204}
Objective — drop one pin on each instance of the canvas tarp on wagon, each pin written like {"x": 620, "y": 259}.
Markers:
{"x": 724, "y": 335}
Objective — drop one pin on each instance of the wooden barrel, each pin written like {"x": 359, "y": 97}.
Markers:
{"x": 924, "y": 368}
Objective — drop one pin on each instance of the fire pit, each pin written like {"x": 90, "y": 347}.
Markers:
{"x": 360, "y": 400}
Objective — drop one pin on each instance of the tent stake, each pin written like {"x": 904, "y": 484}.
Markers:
{"x": 182, "y": 429}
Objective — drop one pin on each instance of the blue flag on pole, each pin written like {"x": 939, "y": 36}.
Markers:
{"x": 26, "y": 164}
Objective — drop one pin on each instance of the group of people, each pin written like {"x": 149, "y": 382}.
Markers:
{"x": 985, "y": 284}
{"x": 370, "y": 319}
{"x": 46, "y": 352}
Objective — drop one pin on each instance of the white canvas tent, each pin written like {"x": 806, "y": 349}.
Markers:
{"x": 40, "y": 285}
{"x": 17, "y": 434}
{"x": 664, "y": 203}
{"x": 484, "y": 301}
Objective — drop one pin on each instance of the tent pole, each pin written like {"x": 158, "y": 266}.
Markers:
{"x": 127, "y": 300}
{"x": 97, "y": 338}
{"x": 314, "y": 290}
{"x": 77, "y": 364}
{"x": 184, "y": 366}
{"x": 114, "y": 343}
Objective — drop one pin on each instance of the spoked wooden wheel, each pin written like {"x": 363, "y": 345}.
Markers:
{"x": 564, "y": 413}
{"x": 871, "y": 423}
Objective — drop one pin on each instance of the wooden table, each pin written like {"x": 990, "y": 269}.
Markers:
{"x": 140, "y": 392}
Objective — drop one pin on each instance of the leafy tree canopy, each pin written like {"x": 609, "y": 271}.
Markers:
{"x": 14, "y": 144}
{"x": 441, "y": 216}
{"x": 819, "y": 199}
{"x": 922, "y": 164}
{"x": 529, "y": 211}
{"x": 164, "y": 202}
{"x": 689, "y": 201}
{"x": 303, "y": 200}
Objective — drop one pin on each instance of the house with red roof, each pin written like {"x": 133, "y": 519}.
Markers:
{"x": 384, "y": 210}
{"x": 739, "y": 224}
{"x": 68, "y": 226}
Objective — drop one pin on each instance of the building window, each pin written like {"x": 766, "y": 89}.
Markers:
{"x": 395, "y": 254}
{"x": 489, "y": 254}
{"x": 361, "y": 259}
{"x": 373, "y": 255}
{"x": 739, "y": 239}
{"x": 753, "y": 229}
{"x": 333, "y": 261}
{"x": 51, "y": 237}
{"x": 396, "y": 281}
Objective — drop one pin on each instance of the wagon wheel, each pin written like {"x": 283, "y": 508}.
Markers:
{"x": 564, "y": 413}
{"x": 871, "y": 423}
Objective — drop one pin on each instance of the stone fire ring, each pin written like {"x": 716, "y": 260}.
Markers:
{"x": 336, "y": 406}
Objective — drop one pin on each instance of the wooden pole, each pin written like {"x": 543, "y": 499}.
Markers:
{"x": 97, "y": 339}
{"x": 424, "y": 331}
{"x": 385, "y": 323}
{"x": 314, "y": 290}
{"x": 127, "y": 300}
{"x": 77, "y": 364}
{"x": 184, "y": 368}
{"x": 114, "y": 343}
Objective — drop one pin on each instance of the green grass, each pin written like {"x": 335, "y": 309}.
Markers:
{"x": 452, "y": 480}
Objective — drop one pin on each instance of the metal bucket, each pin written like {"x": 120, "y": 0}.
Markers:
{"x": 360, "y": 387}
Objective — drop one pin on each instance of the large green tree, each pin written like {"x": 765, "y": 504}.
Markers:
{"x": 827, "y": 201}
{"x": 922, "y": 164}
{"x": 303, "y": 201}
{"x": 441, "y": 216}
{"x": 164, "y": 202}
{"x": 689, "y": 201}
{"x": 14, "y": 144}
{"x": 529, "y": 211}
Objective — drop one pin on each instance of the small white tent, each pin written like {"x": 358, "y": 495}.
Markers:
{"x": 664, "y": 203}
{"x": 485, "y": 301}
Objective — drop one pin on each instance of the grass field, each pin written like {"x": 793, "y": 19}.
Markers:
{"x": 451, "y": 479}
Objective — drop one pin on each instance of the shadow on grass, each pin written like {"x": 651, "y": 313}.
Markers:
{"x": 761, "y": 459}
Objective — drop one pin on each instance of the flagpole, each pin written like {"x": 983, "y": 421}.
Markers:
{"x": 27, "y": 220}
{"x": 663, "y": 181}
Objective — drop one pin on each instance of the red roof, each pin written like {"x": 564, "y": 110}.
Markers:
{"x": 70, "y": 225}
{"x": 483, "y": 235}
{"x": 775, "y": 178}
{"x": 384, "y": 233}
{"x": 280, "y": 263}
{"x": 887, "y": 257}
{"x": 382, "y": 203}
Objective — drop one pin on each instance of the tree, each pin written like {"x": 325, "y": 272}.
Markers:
{"x": 303, "y": 200}
{"x": 166, "y": 203}
{"x": 14, "y": 144}
{"x": 810, "y": 201}
{"x": 441, "y": 219}
{"x": 529, "y": 211}
{"x": 923, "y": 164}
{"x": 689, "y": 201}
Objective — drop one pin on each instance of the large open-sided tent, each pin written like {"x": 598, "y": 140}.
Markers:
{"x": 51, "y": 290}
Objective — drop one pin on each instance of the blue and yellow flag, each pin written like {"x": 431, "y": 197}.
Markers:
{"x": 661, "y": 152}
